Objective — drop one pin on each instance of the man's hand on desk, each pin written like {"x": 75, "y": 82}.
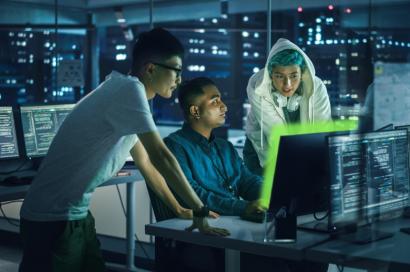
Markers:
{"x": 201, "y": 223}
{"x": 213, "y": 214}
{"x": 254, "y": 212}
{"x": 184, "y": 213}
{"x": 253, "y": 207}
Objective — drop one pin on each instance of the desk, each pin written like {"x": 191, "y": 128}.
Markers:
{"x": 395, "y": 250}
{"x": 248, "y": 237}
{"x": 245, "y": 237}
{"x": 8, "y": 193}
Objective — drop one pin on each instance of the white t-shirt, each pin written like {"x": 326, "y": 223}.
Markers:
{"x": 91, "y": 146}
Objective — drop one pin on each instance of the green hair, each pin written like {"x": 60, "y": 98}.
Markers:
{"x": 285, "y": 58}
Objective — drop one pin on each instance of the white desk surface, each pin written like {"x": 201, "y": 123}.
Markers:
{"x": 248, "y": 237}
{"x": 245, "y": 237}
{"x": 8, "y": 193}
{"x": 372, "y": 255}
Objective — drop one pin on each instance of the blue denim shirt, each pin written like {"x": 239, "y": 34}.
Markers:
{"x": 214, "y": 170}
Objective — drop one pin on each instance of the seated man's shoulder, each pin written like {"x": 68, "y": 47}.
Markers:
{"x": 223, "y": 142}
{"x": 176, "y": 137}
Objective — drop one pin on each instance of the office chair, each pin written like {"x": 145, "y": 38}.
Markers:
{"x": 171, "y": 255}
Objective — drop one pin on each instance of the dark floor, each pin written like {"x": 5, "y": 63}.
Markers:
{"x": 9, "y": 257}
{"x": 10, "y": 253}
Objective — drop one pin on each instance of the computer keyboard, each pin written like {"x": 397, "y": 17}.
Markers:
{"x": 315, "y": 227}
{"x": 405, "y": 230}
{"x": 16, "y": 181}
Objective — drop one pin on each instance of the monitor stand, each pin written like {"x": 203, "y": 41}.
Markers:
{"x": 365, "y": 235}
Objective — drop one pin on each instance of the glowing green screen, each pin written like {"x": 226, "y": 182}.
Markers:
{"x": 293, "y": 129}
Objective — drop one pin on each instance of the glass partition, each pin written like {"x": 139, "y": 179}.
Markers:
{"x": 346, "y": 41}
{"x": 29, "y": 62}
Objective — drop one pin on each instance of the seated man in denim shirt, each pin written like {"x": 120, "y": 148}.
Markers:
{"x": 215, "y": 170}
{"x": 212, "y": 165}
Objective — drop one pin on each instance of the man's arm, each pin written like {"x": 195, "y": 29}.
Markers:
{"x": 167, "y": 165}
{"x": 250, "y": 189}
{"x": 156, "y": 182}
{"x": 165, "y": 162}
{"x": 250, "y": 185}
{"x": 222, "y": 204}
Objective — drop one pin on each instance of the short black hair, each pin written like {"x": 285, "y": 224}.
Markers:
{"x": 155, "y": 45}
{"x": 191, "y": 89}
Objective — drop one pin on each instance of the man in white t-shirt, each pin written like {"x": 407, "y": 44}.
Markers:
{"x": 92, "y": 144}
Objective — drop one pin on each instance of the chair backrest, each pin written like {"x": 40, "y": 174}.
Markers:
{"x": 161, "y": 211}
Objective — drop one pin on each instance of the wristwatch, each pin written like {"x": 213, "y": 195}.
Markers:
{"x": 203, "y": 212}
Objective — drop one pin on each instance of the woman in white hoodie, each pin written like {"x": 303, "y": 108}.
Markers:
{"x": 285, "y": 91}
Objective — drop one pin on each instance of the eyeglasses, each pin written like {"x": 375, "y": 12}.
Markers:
{"x": 177, "y": 71}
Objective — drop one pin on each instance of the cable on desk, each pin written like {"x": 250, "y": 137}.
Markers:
{"x": 320, "y": 218}
{"x": 125, "y": 213}
{"x": 4, "y": 214}
{"x": 340, "y": 268}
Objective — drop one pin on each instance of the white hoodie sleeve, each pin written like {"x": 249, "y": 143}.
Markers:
{"x": 264, "y": 115}
{"x": 321, "y": 102}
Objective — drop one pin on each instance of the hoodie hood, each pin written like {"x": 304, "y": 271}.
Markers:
{"x": 264, "y": 113}
{"x": 261, "y": 81}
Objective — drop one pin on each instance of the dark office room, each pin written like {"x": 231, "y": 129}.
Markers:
{"x": 268, "y": 135}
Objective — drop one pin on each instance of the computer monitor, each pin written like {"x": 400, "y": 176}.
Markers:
{"x": 369, "y": 177}
{"x": 302, "y": 174}
{"x": 8, "y": 139}
{"x": 407, "y": 127}
{"x": 40, "y": 125}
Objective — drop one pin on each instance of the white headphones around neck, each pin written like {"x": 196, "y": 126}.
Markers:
{"x": 291, "y": 103}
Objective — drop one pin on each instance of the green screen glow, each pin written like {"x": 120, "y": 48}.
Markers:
{"x": 293, "y": 129}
